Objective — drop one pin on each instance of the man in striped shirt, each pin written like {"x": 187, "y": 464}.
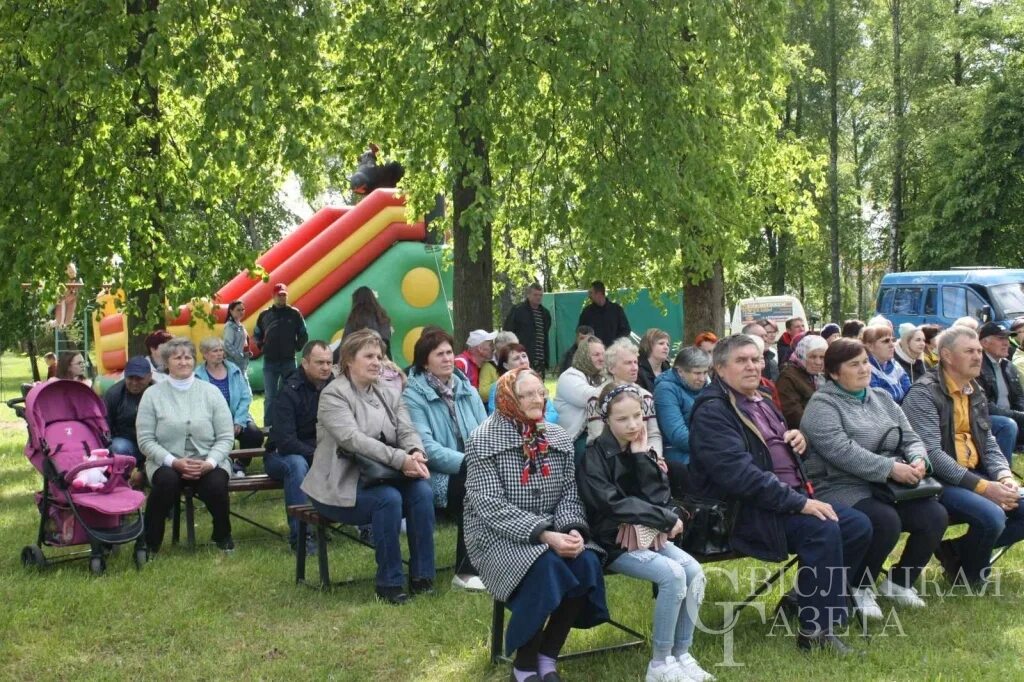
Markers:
{"x": 530, "y": 321}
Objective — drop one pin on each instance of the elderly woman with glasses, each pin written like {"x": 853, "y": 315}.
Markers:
{"x": 674, "y": 394}
{"x": 230, "y": 381}
{"x": 886, "y": 373}
{"x": 184, "y": 430}
{"x": 526, "y": 529}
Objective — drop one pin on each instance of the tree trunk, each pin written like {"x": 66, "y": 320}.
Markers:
{"x": 899, "y": 147}
{"x": 472, "y": 285}
{"x": 858, "y": 184}
{"x": 833, "y": 161}
{"x": 704, "y": 304}
{"x": 958, "y": 56}
{"x": 149, "y": 302}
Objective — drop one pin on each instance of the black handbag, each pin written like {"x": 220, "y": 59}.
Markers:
{"x": 893, "y": 492}
{"x": 372, "y": 472}
{"x": 706, "y": 532}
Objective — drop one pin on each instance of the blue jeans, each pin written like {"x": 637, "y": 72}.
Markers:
{"x": 290, "y": 470}
{"x": 988, "y": 527}
{"x": 680, "y": 582}
{"x": 124, "y": 446}
{"x": 383, "y": 507}
{"x": 1005, "y": 431}
{"x": 274, "y": 373}
{"x": 828, "y": 552}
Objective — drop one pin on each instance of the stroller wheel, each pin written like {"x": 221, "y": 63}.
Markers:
{"x": 32, "y": 555}
{"x": 97, "y": 565}
{"x": 141, "y": 557}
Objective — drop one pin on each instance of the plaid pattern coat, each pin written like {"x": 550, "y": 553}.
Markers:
{"x": 503, "y": 518}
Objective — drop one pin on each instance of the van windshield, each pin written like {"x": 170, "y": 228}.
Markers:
{"x": 1008, "y": 298}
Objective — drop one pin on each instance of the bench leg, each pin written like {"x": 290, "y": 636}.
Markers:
{"x": 300, "y": 555}
{"x": 497, "y": 629}
{"x": 190, "y": 519}
{"x": 176, "y": 522}
{"x": 765, "y": 586}
{"x": 321, "y": 552}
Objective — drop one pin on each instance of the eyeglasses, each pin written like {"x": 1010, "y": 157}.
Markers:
{"x": 539, "y": 395}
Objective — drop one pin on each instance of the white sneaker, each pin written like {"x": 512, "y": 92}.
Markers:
{"x": 470, "y": 584}
{"x": 668, "y": 672}
{"x": 864, "y": 601}
{"x": 693, "y": 670}
{"x": 904, "y": 596}
{"x": 238, "y": 473}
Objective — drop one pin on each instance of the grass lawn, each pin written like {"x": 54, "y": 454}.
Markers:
{"x": 202, "y": 615}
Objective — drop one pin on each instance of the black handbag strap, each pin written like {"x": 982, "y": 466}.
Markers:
{"x": 899, "y": 443}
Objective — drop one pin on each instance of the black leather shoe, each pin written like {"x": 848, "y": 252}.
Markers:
{"x": 788, "y": 605}
{"x": 421, "y": 586}
{"x": 825, "y": 642}
{"x": 392, "y": 595}
{"x": 950, "y": 560}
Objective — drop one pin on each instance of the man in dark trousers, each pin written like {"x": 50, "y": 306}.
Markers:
{"x": 742, "y": 452}
{"x": 606, "y": 317}
{"x": 280, "y": 333}
{"x": 293, "y": 437}
{"x": 122, "y": 401}
{"x": 530, "y": 322}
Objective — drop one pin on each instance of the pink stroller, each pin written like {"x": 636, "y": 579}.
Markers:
{"x": 86, "y": 497}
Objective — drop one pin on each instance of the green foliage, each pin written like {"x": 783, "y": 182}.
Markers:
{"x": 142, "y": 143}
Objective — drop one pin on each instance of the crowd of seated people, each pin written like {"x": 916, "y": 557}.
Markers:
{"x": 804, "y": 439}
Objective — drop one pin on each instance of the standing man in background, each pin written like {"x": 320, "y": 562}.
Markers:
{"x": 280, "y": 333}
{"x": 607, "y": 318}
{"x": 530, "y": 321}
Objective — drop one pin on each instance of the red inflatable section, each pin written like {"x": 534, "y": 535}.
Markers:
{"x": 280, "y": 252}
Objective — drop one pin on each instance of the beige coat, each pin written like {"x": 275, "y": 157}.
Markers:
{"x": 353, "y": 421}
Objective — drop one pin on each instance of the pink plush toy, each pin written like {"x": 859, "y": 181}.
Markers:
{"x": 94, "y": 478}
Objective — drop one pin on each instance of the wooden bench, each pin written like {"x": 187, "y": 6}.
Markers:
{"x": 308, "y": 516}
{"x": 498, "y": 612}
{"x": 251, "y": 483}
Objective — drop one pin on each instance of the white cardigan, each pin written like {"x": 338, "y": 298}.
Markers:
{"x": 572, "y": 393}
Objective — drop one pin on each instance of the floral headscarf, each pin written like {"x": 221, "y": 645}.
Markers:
{"x": 804, "y": 346}
{"x": 535, "y": 442}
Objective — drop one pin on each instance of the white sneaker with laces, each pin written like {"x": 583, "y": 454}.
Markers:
{"x": 864, "y": 601}
{"x": 238, "y": 473}
{"x": 904, "y": 596}
{"x": 470, "y": 584}
{"x": 668, "y": 672}
{"x": 693, "y": 670}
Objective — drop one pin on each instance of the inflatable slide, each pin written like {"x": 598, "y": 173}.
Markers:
{"x": 323, "y": 261}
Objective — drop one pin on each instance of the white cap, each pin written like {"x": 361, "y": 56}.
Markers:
{"x": 478, "y": 336}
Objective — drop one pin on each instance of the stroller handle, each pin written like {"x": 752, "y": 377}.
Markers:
{"x": 18, "y": 405}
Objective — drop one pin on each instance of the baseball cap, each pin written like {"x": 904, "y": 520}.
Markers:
{"x": 280, "y": 288}
{"x": 478, "y": 336}
{"x": 992, "y": 329}
{"x": 137, "y": 367}
{"x": 1017, "y": 324}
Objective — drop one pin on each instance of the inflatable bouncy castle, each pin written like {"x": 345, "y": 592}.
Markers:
{"x": 323, "y": 261}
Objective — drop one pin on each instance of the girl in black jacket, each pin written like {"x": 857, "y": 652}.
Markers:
{"x": 624, "y": 485}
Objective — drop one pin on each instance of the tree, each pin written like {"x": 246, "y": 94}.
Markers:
{"x": 139, "y": 136}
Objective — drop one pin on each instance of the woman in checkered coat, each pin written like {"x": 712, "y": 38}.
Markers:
{"x": 526, "y": 528}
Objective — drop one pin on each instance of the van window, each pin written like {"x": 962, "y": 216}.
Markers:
{"x": 907, "y": 301}
{"x": 954, "y": 302}
{"x": 974, "y": 304}
{"x": 1008, "y": 299}
{"x": 885, "y": 299}
{"x": 930, "y": 301}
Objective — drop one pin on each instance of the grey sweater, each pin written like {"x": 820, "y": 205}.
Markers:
{"x": 849, "y": 442}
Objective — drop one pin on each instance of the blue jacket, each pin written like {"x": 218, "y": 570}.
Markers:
{"x": 550, "y": 411}
{"x": 238, "y": 389}
{"x": 730, "y": 461}
{"x": 430, "y": 416}
{"x": 673, "y": 402}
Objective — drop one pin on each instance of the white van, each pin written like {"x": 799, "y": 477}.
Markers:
{"x": 778, "y": 309}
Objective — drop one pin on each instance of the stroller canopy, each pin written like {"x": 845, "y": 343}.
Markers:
{"x": 65, "y": 419}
